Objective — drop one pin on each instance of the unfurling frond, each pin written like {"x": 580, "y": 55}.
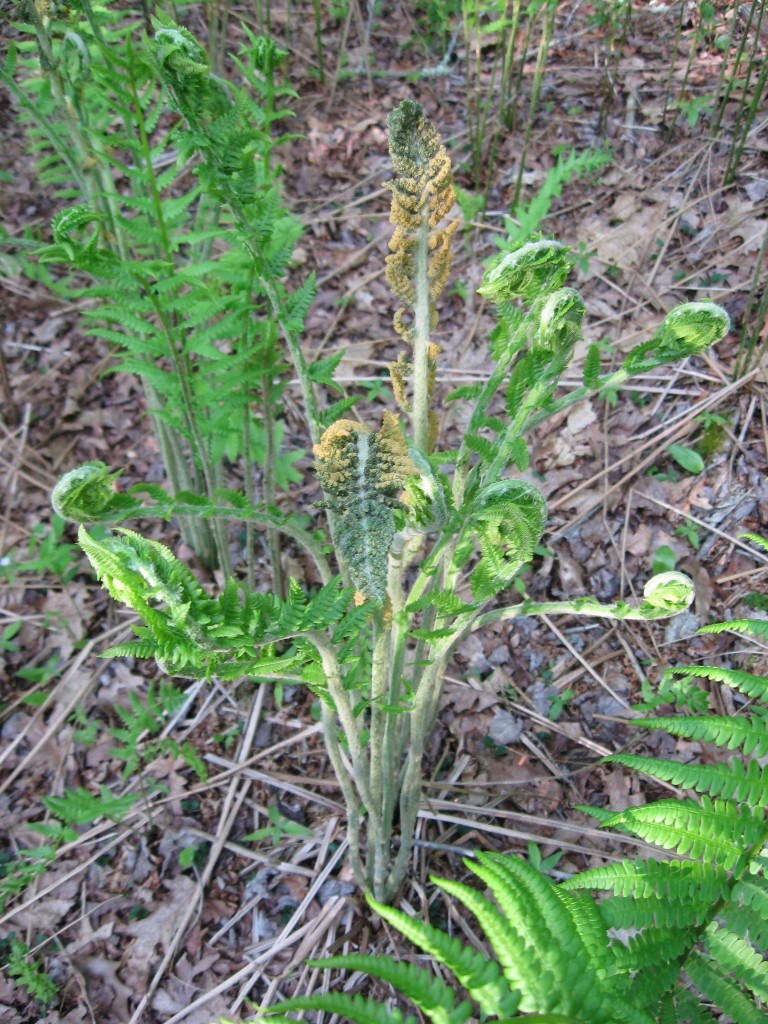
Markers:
{"x": 688, "y": 330}
{"x": 363, "y": 475}
{"x": 560, "y": 323}
{"x": 83, "y": 494}
{"x": 427, "y": 496}
{"x": 422, "y": 196}
{"x": 667, "y": 593}
{"x": 181, "y": 64}
{"x": 528, "y": 271}
{"x": 508, "y": 519}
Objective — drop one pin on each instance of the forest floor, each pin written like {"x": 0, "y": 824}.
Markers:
{"x": 529, "y": 707}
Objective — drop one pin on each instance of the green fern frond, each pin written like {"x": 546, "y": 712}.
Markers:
{"x": 426, "y": 991}
{"x": 525, "y": 966}
{"x": 761, "y": 542}
{"x": 714, "y": 830}
{"x": 746, "y": 914}
{"x": 653, "y": 947}
{"x": 716, "y": 985}
{"x": 132, "y": 649}
{"x": 79, "y": 807}
{"x": 563, "y": 939}
{"x": 355, "y": 1008}
{"x": 751, "y": 734}
{"x": 480, "y": 446}
{"x": 748, "y": 785}
{"x": 507, "y": 518}
{"x": 591, "y": 372}
{"x": 480, "y": 976}
{"x": 671, "y": 880}
{"x": 737, "y": 956}
{"x": 654, "y": 912}
{"x": 752, "y": 627}
{"x": 746, "y": 683}
{"x": 652, "y": 987}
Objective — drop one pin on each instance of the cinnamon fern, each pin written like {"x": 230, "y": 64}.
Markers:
{"x": 426, "y": 539}
{"x": 668, "y": 940}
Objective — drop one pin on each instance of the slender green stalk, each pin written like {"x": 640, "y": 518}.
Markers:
{"x": 751, "y": 344}
{"x": 547, "y": 28}
{"x": 748, "y": 108}
{"x": 319, "y": 40}
{"x": 730, "y": 80}
{"x": 673, "y": 63}
{"x": 270, "y": 482}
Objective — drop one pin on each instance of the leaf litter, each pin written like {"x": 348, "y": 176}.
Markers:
{"x": 529, "y": 707}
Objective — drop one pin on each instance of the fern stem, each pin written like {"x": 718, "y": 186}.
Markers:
{"x": 178, "y": 360}
{"x": 351, "y": 800}
{"x": 421, "y": 312}
{"x": 533, "y": 400}
{"x": 347, "y": 720}
{"x": 612, "y": 380}
{"x": 380, "y": 777}
{"x": 298, "y": 534}
{"x": 308, "y": 395}
{"x": 270, "y": 481}
{"x": 420, "y": 723}
{"x": 250, "y": 493}
{"x": 189, "y": 412}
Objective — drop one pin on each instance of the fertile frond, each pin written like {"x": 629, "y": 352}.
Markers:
{"x": 422, "y": 196}
{"x": 362, "y": 475}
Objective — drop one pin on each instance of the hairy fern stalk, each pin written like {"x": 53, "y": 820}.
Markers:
{"x": 694, "y": 921}
{"x": 425, "y": 539}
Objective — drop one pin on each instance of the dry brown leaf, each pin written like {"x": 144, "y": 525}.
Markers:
{"x": 157, "y": 930}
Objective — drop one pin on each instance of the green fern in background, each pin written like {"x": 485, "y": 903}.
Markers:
{"x": 169, "y": 281}
{"x": 696, "y": 925}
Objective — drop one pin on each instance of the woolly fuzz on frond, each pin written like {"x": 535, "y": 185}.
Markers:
{"x": 363, "y": 475}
